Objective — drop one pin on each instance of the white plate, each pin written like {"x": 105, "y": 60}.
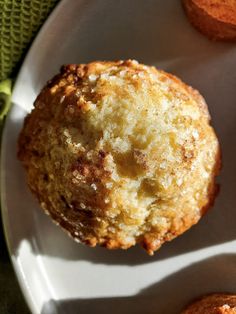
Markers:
{"x": 60, "y": 276}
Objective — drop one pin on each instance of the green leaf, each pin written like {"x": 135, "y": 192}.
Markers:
{"x": 5, "y": 97}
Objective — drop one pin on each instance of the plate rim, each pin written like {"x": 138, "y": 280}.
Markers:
{"x": 27, "y": 293}
{"x": 25, "y": 290}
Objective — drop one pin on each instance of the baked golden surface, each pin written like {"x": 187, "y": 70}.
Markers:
{"x": 213, "y": 304}
{"x": 120, "y": 153}
{"x": 214, "y": 18}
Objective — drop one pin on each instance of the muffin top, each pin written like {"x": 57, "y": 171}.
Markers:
{"x": 120, "y": 153}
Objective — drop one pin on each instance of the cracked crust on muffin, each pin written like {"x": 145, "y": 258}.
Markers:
{"x": 119, "y": 153}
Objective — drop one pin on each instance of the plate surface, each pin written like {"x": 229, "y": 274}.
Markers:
{"x": 60, "y": 276}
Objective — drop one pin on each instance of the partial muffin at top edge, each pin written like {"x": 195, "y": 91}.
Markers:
{"x": 120, "y": 153}
{"x": 214, "y": 18}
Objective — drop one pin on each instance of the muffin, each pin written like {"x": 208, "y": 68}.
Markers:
{"x": 213, "y": 304}
{"x": 214, "y": 18}
{"x": 119, "y": 153}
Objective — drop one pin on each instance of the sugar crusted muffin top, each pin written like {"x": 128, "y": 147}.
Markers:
{"x": 120, "y": 153}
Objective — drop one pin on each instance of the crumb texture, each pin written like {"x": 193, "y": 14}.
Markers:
{"x": 120, "y": 153}
{"x": 213, "y": 304}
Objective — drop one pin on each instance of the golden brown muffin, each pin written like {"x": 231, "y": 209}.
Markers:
{"x": 214, "y": 18}
{"x": 213, "y": 304}
{"x": 119, "y": 153}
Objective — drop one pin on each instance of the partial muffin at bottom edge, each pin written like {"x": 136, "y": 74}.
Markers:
{"x": 213, "y": 304}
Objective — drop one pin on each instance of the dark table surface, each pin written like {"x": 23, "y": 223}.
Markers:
{"x": 11, "y": 298}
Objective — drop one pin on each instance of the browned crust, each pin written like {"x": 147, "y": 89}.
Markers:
{"x": 149, "y": 242}
{"x": 213, "y": 304}
{"x": 216, "y": 21}
{"x": 195, "y": 94}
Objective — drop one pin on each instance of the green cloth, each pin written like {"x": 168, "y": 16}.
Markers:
{"x": 20, "y": 21}
{"x": 5, "y": 94}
